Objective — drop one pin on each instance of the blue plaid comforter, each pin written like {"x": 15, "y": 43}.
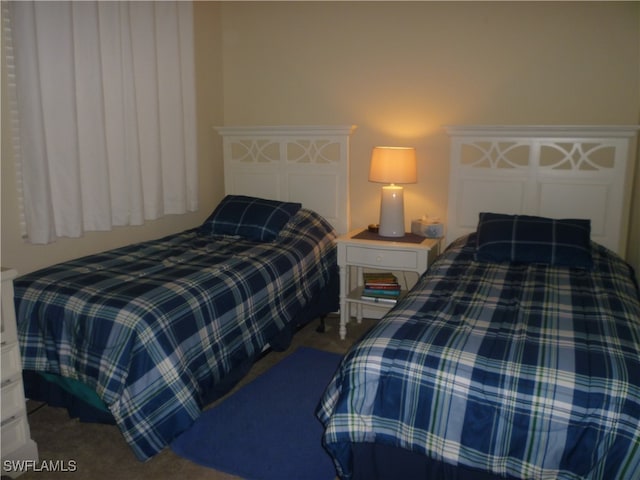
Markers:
{"x": 520, "y": 370}
{"x": 152, "y": 326}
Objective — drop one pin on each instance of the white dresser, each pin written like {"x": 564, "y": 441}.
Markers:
{"x": 16, "y": 438}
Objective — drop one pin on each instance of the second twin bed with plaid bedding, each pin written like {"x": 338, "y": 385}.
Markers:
{"x": 496, "y": 370}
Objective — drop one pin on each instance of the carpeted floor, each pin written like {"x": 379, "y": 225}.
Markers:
{"x": 99, "y": 452}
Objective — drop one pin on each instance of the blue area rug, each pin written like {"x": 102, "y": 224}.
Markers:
{"x": 268, "y": 430}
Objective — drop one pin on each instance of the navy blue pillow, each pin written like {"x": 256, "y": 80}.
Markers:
{"x": 529, "y": 239}
{"x": 253, "y": 218}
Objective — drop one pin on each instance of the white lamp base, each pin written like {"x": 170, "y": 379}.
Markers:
{"x": 392, "y": 211}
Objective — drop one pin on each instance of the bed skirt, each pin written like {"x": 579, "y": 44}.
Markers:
{"x": 372, "y": 461}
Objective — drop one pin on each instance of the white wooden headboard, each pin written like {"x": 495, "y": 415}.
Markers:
{"x": 306, "y": 164}
{"x": 550, "y": 171}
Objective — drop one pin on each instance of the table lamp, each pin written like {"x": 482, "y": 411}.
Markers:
{"x": 392, "y": 165}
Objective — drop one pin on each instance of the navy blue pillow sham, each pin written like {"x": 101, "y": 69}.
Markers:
{"x": 529, "y": 239}
{"x": 253, "y": 218}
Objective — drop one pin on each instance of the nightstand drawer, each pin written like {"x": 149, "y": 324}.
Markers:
{"x": 10, "y": 361}
{"x": 381, "y": 258}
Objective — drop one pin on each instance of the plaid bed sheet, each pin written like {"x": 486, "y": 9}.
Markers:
{"x": 520, "y": 370}
{"x": 153, "y": 325}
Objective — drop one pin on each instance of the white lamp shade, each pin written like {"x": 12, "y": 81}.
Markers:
{"x": 392, "y": 165}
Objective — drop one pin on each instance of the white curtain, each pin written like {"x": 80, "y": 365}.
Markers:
{"x": 105, "y": 130}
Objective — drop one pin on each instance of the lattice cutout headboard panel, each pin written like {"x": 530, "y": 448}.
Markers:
{"x": 550, "y": 171}
{"x": 306, "y": 164}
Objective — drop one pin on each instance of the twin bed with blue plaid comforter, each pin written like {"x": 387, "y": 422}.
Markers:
{"x": 518, "y": 370}
{"x": 153, "y": 326}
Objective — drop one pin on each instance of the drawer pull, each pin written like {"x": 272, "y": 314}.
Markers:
{"x": 8, "y": 420}
{"x": 7, "y": 382}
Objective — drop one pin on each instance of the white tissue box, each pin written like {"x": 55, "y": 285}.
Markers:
{"x": 427, "y": 229}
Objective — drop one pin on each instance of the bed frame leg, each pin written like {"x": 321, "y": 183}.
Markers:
{"x": 322, "y": 328}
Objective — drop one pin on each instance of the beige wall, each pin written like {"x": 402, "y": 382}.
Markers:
{"x": 399, "y": 70}
{"x": 633, "y": 250}
{"x": 633, "y": 246}
{"x": 25, "y": 257}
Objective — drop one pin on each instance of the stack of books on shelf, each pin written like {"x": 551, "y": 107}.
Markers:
{"x": 382, "y": 287}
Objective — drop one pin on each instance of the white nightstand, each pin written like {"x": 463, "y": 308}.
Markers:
{"x": 359, "y": 250}
{"x": 17, "y": 444}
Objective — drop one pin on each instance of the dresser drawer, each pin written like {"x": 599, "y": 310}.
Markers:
{"x": 15, "y": 433}
{"x": 14, "y": 426}
{"x": 8, "y": 333}
{"x": 10, "y": 361}
{"x": 13, "y": 402}
{"x": 382, "y": 258}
